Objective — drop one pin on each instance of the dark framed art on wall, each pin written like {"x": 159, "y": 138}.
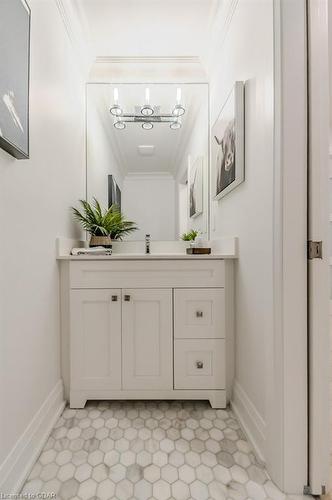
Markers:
{"x": 114, "y": 192}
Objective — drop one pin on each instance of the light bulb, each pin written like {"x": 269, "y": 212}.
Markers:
{"x": 116, "y": 95}
{"x": 178, "y": 95}
{"x": 176, "y": 125}
{"x": 147, "y": 110}
{"x": 118, "y": 124}
{"x": 116, "y": 110}
{"x": 147, "y": 125}
{"x": 178, "y": 110}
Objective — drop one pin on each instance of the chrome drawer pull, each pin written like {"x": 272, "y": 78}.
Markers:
{"x": 114, "y": 298}
{"x": 199, "y": 365}
{"x": 199, "y": 314}
{"x": 127, "y": 298}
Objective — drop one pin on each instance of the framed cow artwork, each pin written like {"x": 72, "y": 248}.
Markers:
{"x": 227, "y": 148}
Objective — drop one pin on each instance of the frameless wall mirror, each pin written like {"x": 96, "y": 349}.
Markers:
{"x": 148, "y": 151}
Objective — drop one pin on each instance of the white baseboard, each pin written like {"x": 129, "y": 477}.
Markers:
{"x": 18, "y": 464}
{"x": 251, "y": 421}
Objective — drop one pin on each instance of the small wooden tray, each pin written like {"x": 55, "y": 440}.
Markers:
{"x": 198, "y": 251}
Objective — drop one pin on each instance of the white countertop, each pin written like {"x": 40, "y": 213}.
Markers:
{"x": 155, "y": 256}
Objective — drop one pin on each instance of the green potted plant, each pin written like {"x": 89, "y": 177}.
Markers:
{"x": 190, "y": 236}
{"x": 103, "y": 225}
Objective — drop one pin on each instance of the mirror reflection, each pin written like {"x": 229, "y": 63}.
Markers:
{"x": 147, "y": 151}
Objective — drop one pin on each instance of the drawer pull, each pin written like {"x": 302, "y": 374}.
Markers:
{"x": 114, "y": 298}
{"x": 199, "y": 365}
{"x": 199, "y": 314}
{"x": 127, "y": 298}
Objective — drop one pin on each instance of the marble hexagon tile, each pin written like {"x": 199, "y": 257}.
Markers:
{"x": 154, "y": 450}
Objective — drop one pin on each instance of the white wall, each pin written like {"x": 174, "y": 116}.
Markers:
{"x": 197, "y": 146}
{"x": 101, "y": 160}
{"x": 182, "y": 202}
{"x": 149, "y": 200}
{"x": 35, "y": 196}
{"x": 247, "y": 212}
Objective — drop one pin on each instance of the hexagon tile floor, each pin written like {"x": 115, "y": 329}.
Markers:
{"x": 149, "y": 450}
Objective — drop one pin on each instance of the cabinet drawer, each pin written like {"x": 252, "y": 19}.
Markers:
{"x": 151, "y": 274}
{"x": 199, "y": 364}
{"x": 199, "y": 313}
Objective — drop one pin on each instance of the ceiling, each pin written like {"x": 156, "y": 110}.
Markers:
{"x": 136, "y": 28}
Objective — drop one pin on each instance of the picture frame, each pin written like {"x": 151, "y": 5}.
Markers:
{"x": 195, "y": 186}
{"x": 114, "y": 192}
{"x": 227, "y": 144}
{"x": 15, "y": 22}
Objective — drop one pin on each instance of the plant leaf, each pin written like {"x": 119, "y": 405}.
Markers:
{"x": 110, "y": 222}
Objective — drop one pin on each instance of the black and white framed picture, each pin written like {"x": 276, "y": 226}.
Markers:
{"x": 227, "y": 148}
{"x": 114, "y": 192}
{"x": 14, "y": 77}
{"x": 195, "y": 182}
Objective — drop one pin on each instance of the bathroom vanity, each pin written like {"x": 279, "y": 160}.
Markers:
{"x": 147, "y": 327}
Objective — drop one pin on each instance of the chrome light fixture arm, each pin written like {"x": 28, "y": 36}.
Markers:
{"x": 147, "y": 114}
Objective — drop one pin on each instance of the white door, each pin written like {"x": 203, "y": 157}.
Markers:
{"x": 147, "y": 349}
{"x": 318, "y": 342}
{"x": 95, "y": 339}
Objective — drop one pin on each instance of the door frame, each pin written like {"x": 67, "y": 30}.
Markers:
{"x": 292, "y": 464}
{"x": 318, "y": 229}
{"x": 286, "y": 398}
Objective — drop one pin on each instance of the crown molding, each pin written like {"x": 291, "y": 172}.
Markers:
{"x": 223, "y": 19}
{"x": 63, "y": 10}
{"x": 75, "y": 33}
{"x": 147, "y": 60}
{"x": 185, "y": 69}
{"x": 214, "y": 12}
{"x": 220, "y": 28}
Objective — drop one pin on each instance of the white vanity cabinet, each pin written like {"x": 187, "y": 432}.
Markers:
{"x": 147, "y": 329}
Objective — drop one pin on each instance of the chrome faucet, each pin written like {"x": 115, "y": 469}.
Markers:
{"x": 147, "y": 243}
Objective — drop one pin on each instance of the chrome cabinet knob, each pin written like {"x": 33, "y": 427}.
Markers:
{"x": 199, "y": 365}
{"x": 199, "y": 314}
{"x": 127, "y": 298}
{"x": 114, "y": 298}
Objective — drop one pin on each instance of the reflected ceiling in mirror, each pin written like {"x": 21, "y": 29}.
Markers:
{"x": 142, "y": 154}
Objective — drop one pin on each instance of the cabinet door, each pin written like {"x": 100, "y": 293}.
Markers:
{"x": 95, "y": 339}
{"x": 147, "y": 360}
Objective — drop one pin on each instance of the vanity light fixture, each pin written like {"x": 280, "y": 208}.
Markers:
{"x": 175, "y": 125}
{"x": 119, "y": 124}
{"x": 147, "y": 125}
{"x": 147, "y": 110}
{"x": 116, "y": 110}
{"x": 178, "y": 108}
{"x": 147, "y": 114}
